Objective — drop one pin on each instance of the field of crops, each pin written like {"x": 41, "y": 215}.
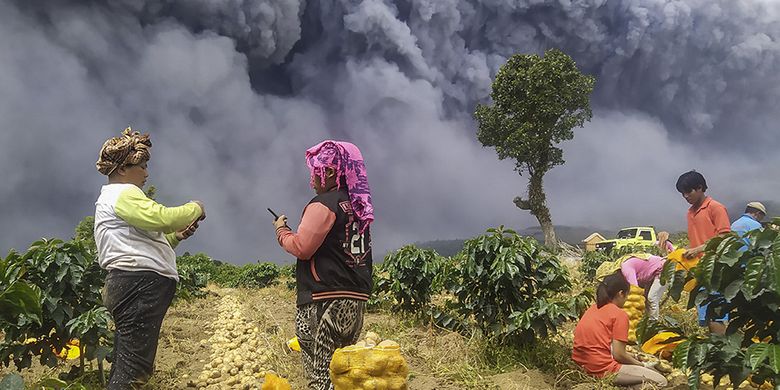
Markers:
{"x": 499, "y": 315}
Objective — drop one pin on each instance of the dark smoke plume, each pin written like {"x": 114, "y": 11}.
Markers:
{"x": 233, "y": 91}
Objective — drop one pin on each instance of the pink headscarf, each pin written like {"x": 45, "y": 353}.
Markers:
{"x": 346, "y": 159}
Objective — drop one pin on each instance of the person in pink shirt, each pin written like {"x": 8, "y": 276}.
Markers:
{"x": 333, "y": 247}
{"x": 646, "y": 273}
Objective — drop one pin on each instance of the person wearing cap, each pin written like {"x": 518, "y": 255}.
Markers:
{"x": 749, "y": 221}
{"x": 135, "y": 237}
{"x": 333, "y": 249}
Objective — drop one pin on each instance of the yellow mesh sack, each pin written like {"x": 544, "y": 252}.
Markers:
{"x": 681, "y": 263}
{"x": 635, "y": 308}
{"x": 658, "y": 343}
{"x": 273, "y": 382}
{"x": 680, "y": 260}
{"x": 369, "y": 368}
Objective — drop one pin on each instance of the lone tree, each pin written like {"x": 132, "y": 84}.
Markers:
{"x": 537, "y": 101}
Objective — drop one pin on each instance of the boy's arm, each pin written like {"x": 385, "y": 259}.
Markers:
{"x": 720, "y": 219}
{"x": 138, "y": 210}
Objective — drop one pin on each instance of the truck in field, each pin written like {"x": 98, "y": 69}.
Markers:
{"x": 630, "y": 236}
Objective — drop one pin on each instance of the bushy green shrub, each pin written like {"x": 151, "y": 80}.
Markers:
{"x": 514, "y": 288}
{"x": 408, "y": 276}
{"x": 192, "y": 284}
{"x": 288, "y": 273}
{"x": 680, "y": 239}
{"x": 257, "y": 275}
{"x": 591, "y": 261}
{"x": 68, "y": 282}
{"x": 199, "y": 263}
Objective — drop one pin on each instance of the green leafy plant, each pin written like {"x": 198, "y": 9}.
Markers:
{"x": 256, "y": 275}
{"x": 199, "y": 263}
{"x": 380, "y": 297}
{"x": 680, "y": 239}
{"x": 85, "y": 232}
{"x": 514, "y": 288}
{"x": 20, "y": 302}
{"x": 201, "y": 269}
{"x": 743, "y": 281}
{"x": 288, "y": 273}
{"x": 410, "y": 275}
{"x": 191, "y": 284}
{"x": 226, "y": 275}
{"x": 591, "y": 261}
{"x": 69, "y": 281}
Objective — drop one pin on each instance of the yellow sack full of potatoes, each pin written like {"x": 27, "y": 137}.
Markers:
{"x": 366, "y": 367}
{"x": 274, "y": 382}
{"x": 635, "y": 308}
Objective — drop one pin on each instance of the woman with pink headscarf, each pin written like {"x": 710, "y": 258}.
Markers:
{"x": 333, "y": 248}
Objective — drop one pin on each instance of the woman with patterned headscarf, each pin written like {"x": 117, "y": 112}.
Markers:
{"x": 135, "y": 237}
{"x": 333, "y": 247}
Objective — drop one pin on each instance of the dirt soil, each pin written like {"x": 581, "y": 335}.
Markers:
{"x": 182, "y": 354}
{"x": 438, "y": 360}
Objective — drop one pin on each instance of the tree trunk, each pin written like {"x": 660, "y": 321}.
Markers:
{"x": 537, "y": 205}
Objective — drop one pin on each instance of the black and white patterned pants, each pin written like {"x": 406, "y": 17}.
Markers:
{"x": 322, "y": 327}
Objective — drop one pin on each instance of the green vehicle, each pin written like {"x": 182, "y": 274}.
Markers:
{"x": 633, "y": 236}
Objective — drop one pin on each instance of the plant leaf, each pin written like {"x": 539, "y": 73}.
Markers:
{"x": 756, "y": 354}
{"x": 12, "y": 381}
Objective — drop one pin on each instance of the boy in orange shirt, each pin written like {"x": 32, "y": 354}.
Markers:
{"x": 707, "y": 218}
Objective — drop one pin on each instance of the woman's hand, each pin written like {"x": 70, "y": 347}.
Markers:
{"x": 281, "y": 222}
{"x": 622, "y": 356}
{"x": 187, "y": 232}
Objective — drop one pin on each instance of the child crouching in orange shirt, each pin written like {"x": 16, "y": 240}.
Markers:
{"x": 601, "y": 336}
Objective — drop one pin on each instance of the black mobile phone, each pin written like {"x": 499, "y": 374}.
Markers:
{"x": 273, "y": 213}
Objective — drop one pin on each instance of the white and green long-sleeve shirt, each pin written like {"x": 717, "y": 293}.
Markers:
{"x": 135, "y": 233}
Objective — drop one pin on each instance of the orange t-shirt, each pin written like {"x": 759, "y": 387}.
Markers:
{"x": 593, "y": 338}
{"x": 708, "y": 221}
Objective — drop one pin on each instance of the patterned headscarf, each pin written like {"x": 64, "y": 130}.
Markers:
{"x": 346, "y": 159}
{"x": 131, "y": 148}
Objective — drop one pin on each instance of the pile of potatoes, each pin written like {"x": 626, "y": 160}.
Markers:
{"x": 239, "y": 359}
{"x": 369, "y": 364}
{"x": 661, "y": 365}
{"x": 709, "y": 380}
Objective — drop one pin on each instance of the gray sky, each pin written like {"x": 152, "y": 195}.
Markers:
{"x": 234, "y": 91}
